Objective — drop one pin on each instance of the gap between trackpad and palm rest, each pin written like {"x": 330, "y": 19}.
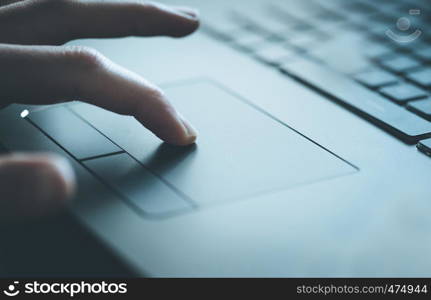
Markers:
{"x": 240, "y": 151}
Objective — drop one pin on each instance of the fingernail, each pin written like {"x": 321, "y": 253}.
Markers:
{"x": 190, "y": 130}
{"x": 189, "y": 12}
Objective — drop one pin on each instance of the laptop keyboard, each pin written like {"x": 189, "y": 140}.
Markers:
{"x": 344, "y": 44}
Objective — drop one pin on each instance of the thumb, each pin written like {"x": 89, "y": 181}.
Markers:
{"x": 34, "y": 185}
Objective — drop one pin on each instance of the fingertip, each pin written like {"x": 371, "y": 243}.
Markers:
{"x": 179, "y": 133}
{"x": 191, "y": 133}
{"x": 189, "y": 22}
{"x": 172, "y": 129}
{"x": 183, "y": 141}
{"x": 185, "y": 29}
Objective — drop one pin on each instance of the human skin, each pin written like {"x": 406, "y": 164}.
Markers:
{"x": 37, "y": 69}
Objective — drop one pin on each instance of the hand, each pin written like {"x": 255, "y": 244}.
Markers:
{"x": 34, "y": 73}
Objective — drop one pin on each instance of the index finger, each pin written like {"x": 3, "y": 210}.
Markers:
{"x": 48, "y": 74}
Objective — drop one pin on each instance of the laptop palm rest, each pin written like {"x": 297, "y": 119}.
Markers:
{"x": 240, "y": 152}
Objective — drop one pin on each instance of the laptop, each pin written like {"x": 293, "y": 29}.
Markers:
{"x": 312, "y": 159}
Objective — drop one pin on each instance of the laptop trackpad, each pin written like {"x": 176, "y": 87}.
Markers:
{"x": 240, "y": 152}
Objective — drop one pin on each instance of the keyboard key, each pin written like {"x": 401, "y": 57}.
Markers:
{"x": 329, "y": 16}
{"x": 360, "y": 7}
{"x": 413, "y": 46}
{"x": 403, "y": 92}
{"x": 399, "y": 64}
{"x": 424, "y": 54}
{"x": 140, "y": 187}
{"x": 392, "y": 118}
{"x": 421, "y": 77}
{"x": 348, "y": 62}
{"x": 266, "y": 20}
{"x": 72, "y": 133}
{"x": 226, "y": 28}
{"x": 275, "y": 54}
{"x": 375, "y": 49}
{"x": 376, "y": 78}
{"x": 307, "y": 40}
{"x": 303, "y": 27}
{"x": 377, "y": 30}
{"x": 422, "y": 108}
{"x": 425, "y": 146}
{"x": 275, "y": 25}
{"x": 250, "y": 40}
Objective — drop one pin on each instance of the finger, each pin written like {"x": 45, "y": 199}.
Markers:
{"x": 44, "y": 74}
{"x": 116, "y": 19}
{"x": 55, "y": 21}
{"x": 34, "y": 185}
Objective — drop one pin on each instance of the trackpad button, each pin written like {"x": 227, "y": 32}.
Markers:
{"x": 240, "y": 151}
